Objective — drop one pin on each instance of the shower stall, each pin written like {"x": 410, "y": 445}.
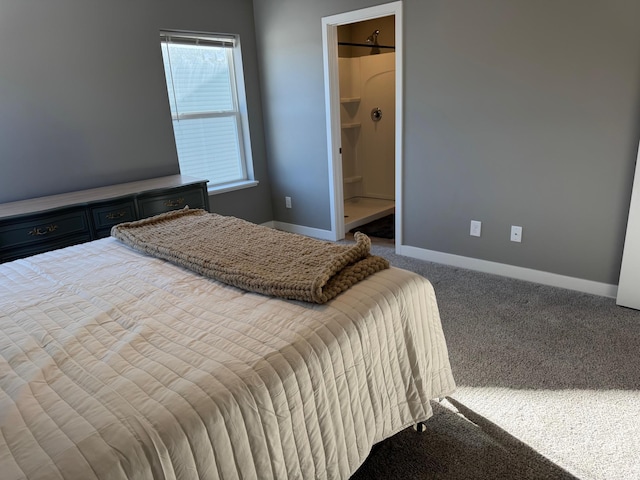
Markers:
{"x": 367, "y": 114}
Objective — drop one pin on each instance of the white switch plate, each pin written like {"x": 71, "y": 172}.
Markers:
{"x": 516, "y": 233}
{"x": 287, "y": 202}
{"x": 476, "y": 228}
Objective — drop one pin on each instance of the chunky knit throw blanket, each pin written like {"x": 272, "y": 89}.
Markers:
{"x": 253, "y": 257}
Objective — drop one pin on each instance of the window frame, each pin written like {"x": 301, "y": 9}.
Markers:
{"x": 231, "y": 43}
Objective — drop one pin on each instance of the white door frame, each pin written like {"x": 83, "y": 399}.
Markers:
{"x": 332, "y": 104}
{"x": 628, "y": 295}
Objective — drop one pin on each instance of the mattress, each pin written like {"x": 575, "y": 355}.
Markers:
{"x": 118, "y": 365}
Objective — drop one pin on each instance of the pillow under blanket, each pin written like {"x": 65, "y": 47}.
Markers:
{"x": 253, "y": 257}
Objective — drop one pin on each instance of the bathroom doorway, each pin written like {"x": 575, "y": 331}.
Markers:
{"x": 364, "y": 121}
{"x": 366, "y": 68}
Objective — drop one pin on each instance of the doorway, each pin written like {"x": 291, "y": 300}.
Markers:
{"x": 365, "y": 149}
{"x": 366, "y": 69}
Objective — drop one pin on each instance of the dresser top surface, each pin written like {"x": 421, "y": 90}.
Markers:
{"x": 80, "y": 197}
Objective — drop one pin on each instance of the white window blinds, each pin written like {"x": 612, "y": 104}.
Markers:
{"x": 203, "y": 96}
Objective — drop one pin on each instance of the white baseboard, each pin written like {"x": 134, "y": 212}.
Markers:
{"x": 511, "y": 271}
{"x": 521, "y": 273}
{"x": 302, "y": 230}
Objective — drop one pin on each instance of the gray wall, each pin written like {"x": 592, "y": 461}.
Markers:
{"x": 83, "y": 101}
{"x": 516, "y": 113}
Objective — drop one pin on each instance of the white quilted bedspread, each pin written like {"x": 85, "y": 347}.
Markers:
{"x": 115, "y": 365}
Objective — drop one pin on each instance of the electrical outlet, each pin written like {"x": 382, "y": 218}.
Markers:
{"x": 287, "y": 202}
{"x": 516, "y": 233}
{"x": 476, "y": 228}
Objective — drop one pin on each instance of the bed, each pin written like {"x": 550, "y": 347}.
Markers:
{"x": 115, "y": 364}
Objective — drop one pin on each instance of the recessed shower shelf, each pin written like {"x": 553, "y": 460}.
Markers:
{"x": 354, "y": 179}
{"x": 345, "y": 126}
{"x": 349, "y": 99}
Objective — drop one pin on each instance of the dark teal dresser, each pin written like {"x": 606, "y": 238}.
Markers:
{"x": 41, "y": 224}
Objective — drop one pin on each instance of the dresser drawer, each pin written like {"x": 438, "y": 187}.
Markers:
{"x": 41, "y": 233}
{"x": 107, "y": 215}
{"x": 6, "y": 255}
{"x": 194, "y": 197}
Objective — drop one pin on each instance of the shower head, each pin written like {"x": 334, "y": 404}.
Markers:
{"x": 373, "y": 38}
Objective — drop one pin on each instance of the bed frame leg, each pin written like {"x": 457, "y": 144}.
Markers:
{"x": 420, "y": 427}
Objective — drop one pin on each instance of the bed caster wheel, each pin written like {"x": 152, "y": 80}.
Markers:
{"x": 420, "y": 427}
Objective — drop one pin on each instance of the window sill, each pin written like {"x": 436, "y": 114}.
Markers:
{"x": 230, "y": 187}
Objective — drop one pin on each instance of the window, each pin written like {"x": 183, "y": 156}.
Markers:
{"x": 208, "y": 107}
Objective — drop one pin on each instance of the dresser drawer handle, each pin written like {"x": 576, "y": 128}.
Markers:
{"x": 174, "y": 203}
{"x": 37, "y": 231}
{"x": 114, "y": 215}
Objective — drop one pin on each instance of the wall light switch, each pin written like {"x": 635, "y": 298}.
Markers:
{"x": 287, "y": 202}
{"x": 516, "y": 234}
{"x": 476, "y": 228}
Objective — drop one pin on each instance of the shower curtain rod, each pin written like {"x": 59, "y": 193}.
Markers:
{"x": 369, "y": 45}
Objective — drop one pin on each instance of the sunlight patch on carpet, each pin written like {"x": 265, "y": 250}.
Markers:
{"x": 566, "y": 424}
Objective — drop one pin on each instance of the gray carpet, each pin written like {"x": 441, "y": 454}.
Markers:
{"x": 548, "y": 385}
